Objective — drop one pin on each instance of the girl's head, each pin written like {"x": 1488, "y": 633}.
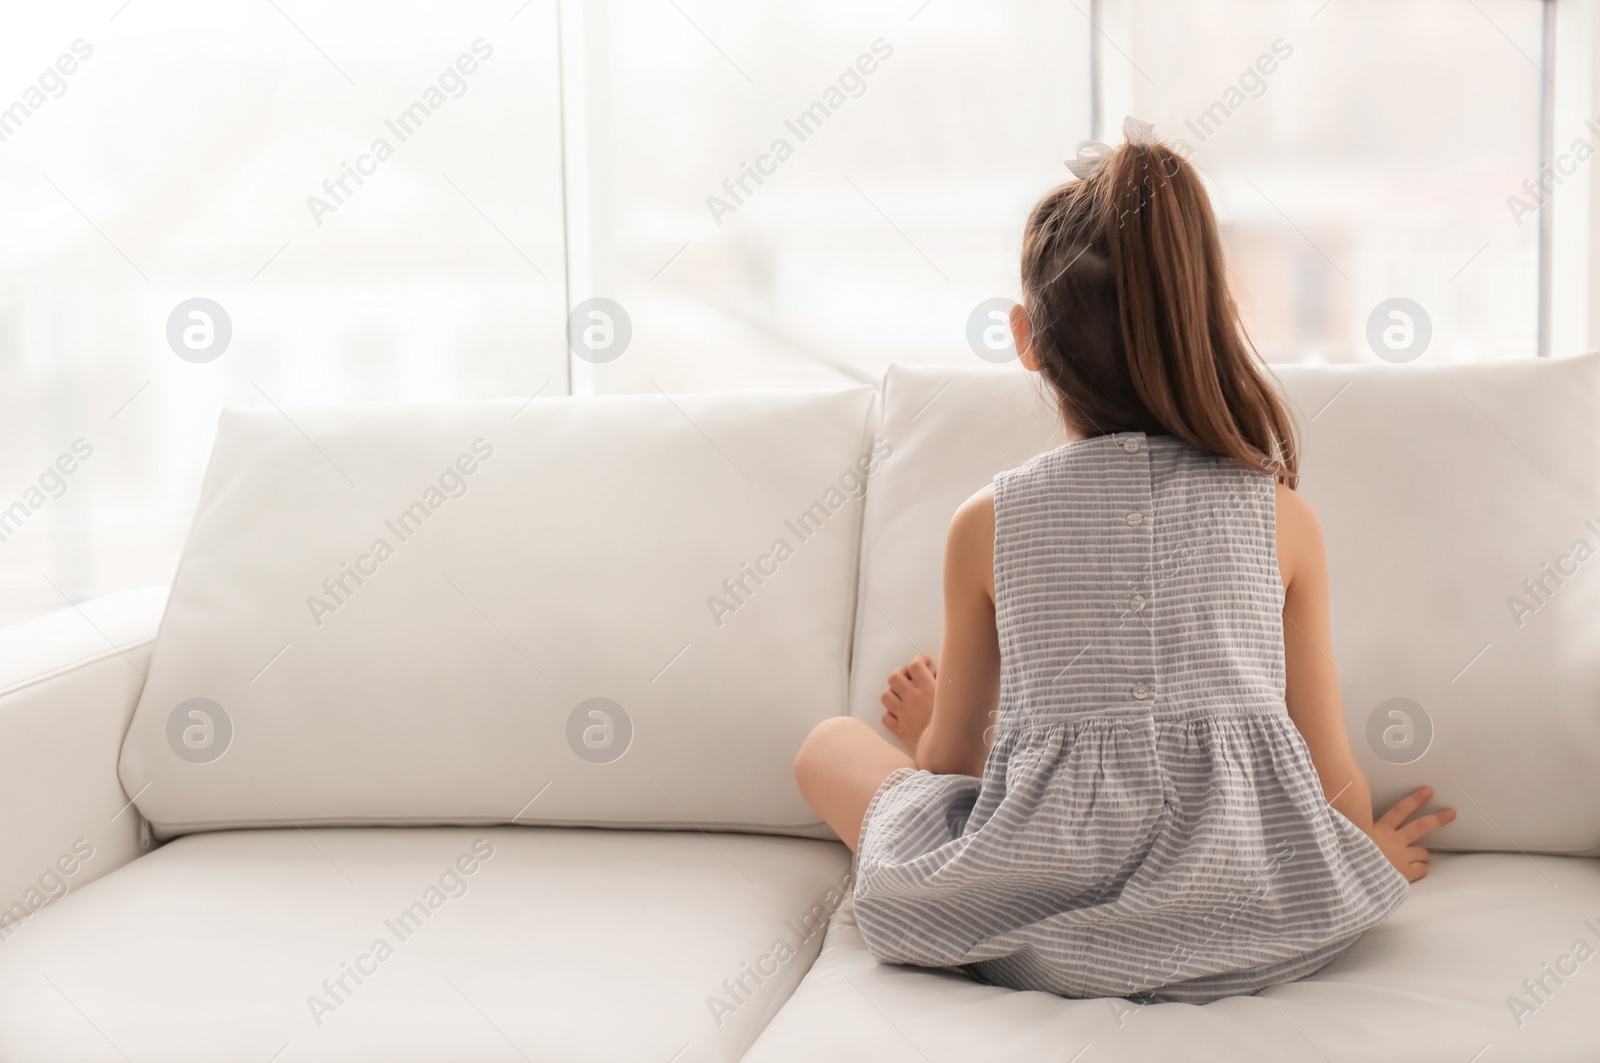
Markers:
{"x": 1126, "y": 313}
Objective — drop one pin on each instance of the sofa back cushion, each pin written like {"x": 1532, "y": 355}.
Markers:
{"x": 621, "y": 611}
{"x": 1461, "y": 510}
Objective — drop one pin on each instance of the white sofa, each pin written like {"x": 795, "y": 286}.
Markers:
{"x": 517, "y": 784}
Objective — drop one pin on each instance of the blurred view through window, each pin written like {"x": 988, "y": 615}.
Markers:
{"x": 403, "y": 201}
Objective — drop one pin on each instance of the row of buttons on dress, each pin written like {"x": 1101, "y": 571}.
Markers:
{"x": 1132, "y": 445}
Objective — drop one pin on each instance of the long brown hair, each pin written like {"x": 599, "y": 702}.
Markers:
{"x": 1130, "y": 317}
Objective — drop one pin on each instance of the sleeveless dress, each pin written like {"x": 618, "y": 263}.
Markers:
{"x": 1149, "y": 824}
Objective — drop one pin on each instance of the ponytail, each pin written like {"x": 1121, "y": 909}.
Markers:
{"x": 1131, "y": 320}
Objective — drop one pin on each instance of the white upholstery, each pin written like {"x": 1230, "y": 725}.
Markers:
{"x": 951, "y": 430}
{"x": 571, "y": 945}
{"x": 1432, "y": 982}
{"x": 562, "y": 552}
{"x": 577, "y": 564}
{"x": 68, "y": 683}
{"x": 1440, "y": 490}
{"x": 73, "y": 636}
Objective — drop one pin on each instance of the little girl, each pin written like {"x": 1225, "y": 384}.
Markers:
{"x": 1164, "y": 804}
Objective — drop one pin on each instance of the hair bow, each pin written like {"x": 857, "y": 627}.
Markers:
{"x": 1091, "y": 153}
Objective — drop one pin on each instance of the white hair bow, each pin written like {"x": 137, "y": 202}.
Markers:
{"x": 1091, "y": 153}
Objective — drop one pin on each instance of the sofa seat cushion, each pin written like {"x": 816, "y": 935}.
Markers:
{"x": 560, "y": 944}
{"x": 1455, "y": 974}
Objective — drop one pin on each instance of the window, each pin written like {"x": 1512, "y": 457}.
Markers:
{"x": 231, "y": 153}
{"x": 287, "y": 202}
{"x": 905, "y": 147}
{"x": 1358, "y": 152}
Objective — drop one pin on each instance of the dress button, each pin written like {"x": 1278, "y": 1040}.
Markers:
{"x": 1131, "y": 446}
{"x": 1135, "y": 519}
{"x": 1136, "y": 603}
{"x": 1141, "y": 691}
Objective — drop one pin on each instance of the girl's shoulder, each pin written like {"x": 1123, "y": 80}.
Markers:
{"x": 969, "y": 549}
{"x": 974, "y": 518}
{"x": 1299, "y": 534}
{"x": 1295, "y": 511}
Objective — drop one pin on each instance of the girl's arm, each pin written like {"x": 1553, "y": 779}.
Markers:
{"x": 944, "y": 716}
{"x": 1312, "y": 692}
{"x": 1311, "y": 679}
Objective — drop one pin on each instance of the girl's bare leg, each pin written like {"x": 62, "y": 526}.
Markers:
{"x": 840, "y": 766}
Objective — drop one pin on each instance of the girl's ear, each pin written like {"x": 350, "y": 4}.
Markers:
{"x": 1022, "y": 334}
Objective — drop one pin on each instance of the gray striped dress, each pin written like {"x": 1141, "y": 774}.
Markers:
{"x": 1149, "y": 823}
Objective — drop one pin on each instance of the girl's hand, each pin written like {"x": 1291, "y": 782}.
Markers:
{"x": 1395, "y": 837}
{"x": 908, "y": 703}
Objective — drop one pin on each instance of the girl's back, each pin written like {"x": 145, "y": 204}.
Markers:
{"x": 1166, "y": 804}
{"x": 1148, "y": 821}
